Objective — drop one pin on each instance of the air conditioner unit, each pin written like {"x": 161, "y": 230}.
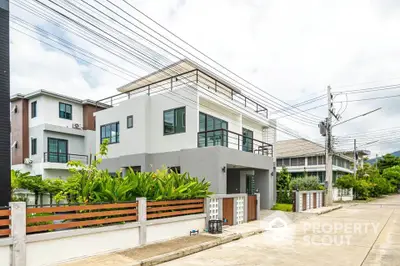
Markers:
{"x": 76, "y": 126}
{"x": 28, "y": 161}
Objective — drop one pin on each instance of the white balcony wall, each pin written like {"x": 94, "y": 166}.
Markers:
{"x": 47, "y": 111}
{"x": 131, "y": 140}
{"x": 255, "y": 127}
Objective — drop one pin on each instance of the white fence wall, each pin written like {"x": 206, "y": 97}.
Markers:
{"x": 309, "y": 200}
{"x": 5, "y": 251}
{"x": 340, "y": 194}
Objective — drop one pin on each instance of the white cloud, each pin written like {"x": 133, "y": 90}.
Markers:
{"x": 291, "y": 49}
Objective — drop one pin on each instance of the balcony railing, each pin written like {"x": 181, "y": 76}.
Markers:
{"x": 230, "y": 139}
{"x": 57, "y": 157}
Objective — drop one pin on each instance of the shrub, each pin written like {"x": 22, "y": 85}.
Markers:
{"x": 282, "y": 207}
{"x": 379, "y": 186}
{"x": 345, "y": 182}
{"x": 306, "y": 183}
{"x": 362, "y": 188}
{"x": 392, "y": 174}
{"x": 284, "y": 194}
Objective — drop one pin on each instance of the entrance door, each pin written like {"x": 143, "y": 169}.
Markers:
{"x": 57, "y": 150}
{"x": 250, "y": 185}
{"x": 227, "y": 205}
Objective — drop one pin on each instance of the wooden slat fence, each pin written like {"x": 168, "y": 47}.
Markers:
{"x": 172, "y": 208}
{"x": 5, "y": 222}
{"x": 63, "y": 217}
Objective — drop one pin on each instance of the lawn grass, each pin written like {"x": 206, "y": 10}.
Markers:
{"x": 282, "y": 207}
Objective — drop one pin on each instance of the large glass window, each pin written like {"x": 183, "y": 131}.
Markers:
{"x": 298, "y": 161}
{"x": 286, "y": 162}
{"x": 279, "y": 162}
{"x": 247, "y": 142}
{"x": 312, "y": 160}
{"x": 209, "y": 134}
{"x": 321, "y": 160}
{"x": 57, "y": 150}
{"x": 110, "y": 132}
{"x": 175, "y": 121}
{"x": 33, "y": 146}
{"x": 33, "y": 109}
{"x": 65, "y": 111}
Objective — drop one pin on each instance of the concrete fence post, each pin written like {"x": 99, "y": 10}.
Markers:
{"x": 18, "y": 233}
{"x": 298, "y": 201}
{"x": 258, "y": 207}
{"x": 221, "y": 209}
{"x": 235, "y": 211}
{"x": 207, "y": 210}
{"x": 142, "y": 218}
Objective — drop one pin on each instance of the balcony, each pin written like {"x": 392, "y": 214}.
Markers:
{"x": 233, "y": 140}
{"x": 56, "y": 157}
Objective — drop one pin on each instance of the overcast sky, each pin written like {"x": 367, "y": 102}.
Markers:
{"x": 291, "y": 49}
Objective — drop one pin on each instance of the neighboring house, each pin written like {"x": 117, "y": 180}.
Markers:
{"x": 360, "y": 157}
{"x": 188, "y": 119}
{"x": 302, "y": 157}
{"x": 49, "y": 129}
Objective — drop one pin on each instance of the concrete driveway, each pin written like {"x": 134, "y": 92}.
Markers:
{"x": 365, "y": 234}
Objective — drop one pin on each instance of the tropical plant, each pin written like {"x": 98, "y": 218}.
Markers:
{"x": 53, "y": 186}
{"x": 32, "y": 183}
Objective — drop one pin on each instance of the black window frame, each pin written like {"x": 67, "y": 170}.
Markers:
{"x": 129, "y": 118}
{"x": 117, "y": 129}
{"x": 33, "y": 109}
{"x": 175, "y": 121}
{"x": 64, "y": 158}
{"x": 249, "y": 148}
{"x": 65, "y": 111}
{"x": 33, "y": 146}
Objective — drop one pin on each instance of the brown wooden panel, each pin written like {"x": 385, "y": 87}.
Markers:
{"x": 40, "y": 228}
{"x": 79, "y": 215}
{"x": 174, "y": 202}
{"x": 80, "y": 208}
{"x": 304, "y": 201}
{"x": 251, "y": 208}
{"x": 5, "y": 213}
{"x": 175, "y": 213}
{"x": 20, "y": 131}
{"x": 294, "y": 202}
{"x": 227, "y": 210}
{"x": 174, "y": 207}
{"x": 5, "y": 222}
{"x": 5, "y": 232}
{"x": 314, "y": 200}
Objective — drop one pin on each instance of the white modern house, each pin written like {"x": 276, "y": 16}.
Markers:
{"x": 303, "y": 157}
{"x": 186, "y": 118}
{"x": 49, "y": 129}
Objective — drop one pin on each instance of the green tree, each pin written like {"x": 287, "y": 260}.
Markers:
{"x": 392, "y": 174}
{"x": 387, "y": 161}
{"x": 306, "y": 183}
{"x": 284, "y": 194}
{"x": 32, "y": 183}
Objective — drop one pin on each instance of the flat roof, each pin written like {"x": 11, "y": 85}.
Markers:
{"x": 56, "y": 95}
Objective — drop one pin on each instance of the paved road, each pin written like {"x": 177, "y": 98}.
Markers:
{"x": 365, "y": 234}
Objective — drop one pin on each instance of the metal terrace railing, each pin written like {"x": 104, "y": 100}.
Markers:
{"x": 57, "y": 157}
{"x": 192, "y": 77}
{"x": 230, "y": 139}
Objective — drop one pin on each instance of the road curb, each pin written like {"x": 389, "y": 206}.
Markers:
{"x": 330, "y": 210}
{"x": 194, "y": 249}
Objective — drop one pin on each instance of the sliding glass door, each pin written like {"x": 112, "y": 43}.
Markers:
{"x": 57, "y": 150}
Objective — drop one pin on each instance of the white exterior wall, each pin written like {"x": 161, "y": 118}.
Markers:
{"x": 50, "y": 252}
{"x": 47, "y": 111}
{"x": 147, "y": 135}
{"x": 161, "y": 232}
{"x": 5, "y": 255}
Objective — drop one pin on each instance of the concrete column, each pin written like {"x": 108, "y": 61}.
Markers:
{"x": 18, "y": 233}
{"x": 298, "y": 201}
{"x": 142, "y": 218}
{"x": 235, "y": 211}
{"x": 221, "y": 208}
{"x": 258, "y": 206}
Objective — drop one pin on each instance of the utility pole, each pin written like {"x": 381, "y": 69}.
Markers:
{"x": 5, "y": 130}
{"x": 355, "y": 158}
{"x": 329, "y": 149}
